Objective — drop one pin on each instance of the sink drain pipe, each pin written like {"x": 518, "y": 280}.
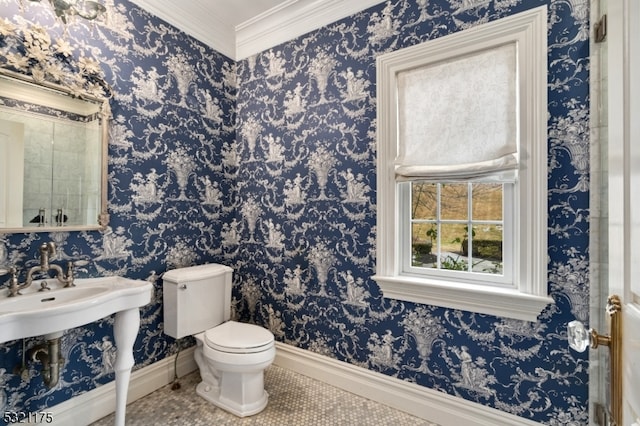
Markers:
{"x": 49, "y": 354}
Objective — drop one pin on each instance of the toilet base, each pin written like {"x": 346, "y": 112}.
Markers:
{"x": 233, "y": 382}
{"x": 233, "y": 393}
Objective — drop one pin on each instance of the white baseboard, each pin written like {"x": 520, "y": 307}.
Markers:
{"x": 100, "y": 402}
{"x": 419, "y": 401}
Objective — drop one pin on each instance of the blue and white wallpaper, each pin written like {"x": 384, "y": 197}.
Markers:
{"x": 268, "y": 165}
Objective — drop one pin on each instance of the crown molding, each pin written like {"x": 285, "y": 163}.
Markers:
{"x": 290, "y": 20}
{"x": 282, "y": 23}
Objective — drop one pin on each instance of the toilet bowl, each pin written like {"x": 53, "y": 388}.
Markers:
{"x": 231, "y": 356}
{"x": 232, "y": 367}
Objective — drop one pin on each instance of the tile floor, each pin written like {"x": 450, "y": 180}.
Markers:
{"x": 294, "y": 400}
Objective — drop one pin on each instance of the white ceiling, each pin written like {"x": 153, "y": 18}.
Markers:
{"x": 241, "y": 28}
{"x": 236, "y": 12}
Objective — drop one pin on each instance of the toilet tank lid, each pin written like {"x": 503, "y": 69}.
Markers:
{"x": 191, "y": 273}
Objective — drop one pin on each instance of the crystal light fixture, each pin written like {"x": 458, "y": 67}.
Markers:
{"x": 87, "y": 9}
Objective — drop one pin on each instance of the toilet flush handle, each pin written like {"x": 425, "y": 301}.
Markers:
{"x": 183, "y": 287}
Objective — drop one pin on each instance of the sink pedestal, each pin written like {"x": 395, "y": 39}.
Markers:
{"x": 125, "y": 331}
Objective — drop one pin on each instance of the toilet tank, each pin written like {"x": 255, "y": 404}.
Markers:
{"x": 196, "y": 298}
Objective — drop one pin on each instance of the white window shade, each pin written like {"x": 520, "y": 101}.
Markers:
{"x": 458, "y": 119}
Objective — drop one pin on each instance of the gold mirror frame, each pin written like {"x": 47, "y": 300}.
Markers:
{"x": 28, "y": 55}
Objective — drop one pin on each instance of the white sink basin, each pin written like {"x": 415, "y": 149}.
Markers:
{"x": 45, "y": 300}
{"x": 36, "y": 313}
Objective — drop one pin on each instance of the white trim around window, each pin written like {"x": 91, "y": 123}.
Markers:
{"x": 527, "y": 296}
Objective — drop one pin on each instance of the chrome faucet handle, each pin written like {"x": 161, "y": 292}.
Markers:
{"x": 69, "y": 278}
{"x": 70, "y": 267}
{"x": 10, "y": 271}
{"x": 13, "y": 280}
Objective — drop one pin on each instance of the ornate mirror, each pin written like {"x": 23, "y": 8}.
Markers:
{"x": 54, "y": 118}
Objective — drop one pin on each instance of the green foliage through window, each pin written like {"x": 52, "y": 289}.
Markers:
{"x": 457, "y": 226}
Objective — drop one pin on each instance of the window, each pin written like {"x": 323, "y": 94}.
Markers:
{"x": 462, "y": 173}
{"x": 458, "y": 229}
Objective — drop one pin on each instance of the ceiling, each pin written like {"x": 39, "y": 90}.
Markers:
{"x": 237, "y": 12}
{"x": 241, "y": 28}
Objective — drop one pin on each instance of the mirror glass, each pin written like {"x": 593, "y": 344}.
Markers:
{"x": 52, "y": 158}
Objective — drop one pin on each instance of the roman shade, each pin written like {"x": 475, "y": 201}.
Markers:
{"x": 458, "y": 118}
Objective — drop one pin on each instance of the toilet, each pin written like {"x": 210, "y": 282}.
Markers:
{"x": 231, "y": 356}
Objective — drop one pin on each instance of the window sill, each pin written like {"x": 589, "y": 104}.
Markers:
{"x": 489, "y": 300}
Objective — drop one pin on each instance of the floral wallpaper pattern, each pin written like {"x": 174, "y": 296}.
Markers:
{"x": 267, "y": 165}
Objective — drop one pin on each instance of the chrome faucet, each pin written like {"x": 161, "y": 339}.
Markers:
{"x": 47, "y": 251}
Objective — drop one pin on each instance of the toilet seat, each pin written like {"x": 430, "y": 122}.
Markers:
{"x": 239, "y": 338}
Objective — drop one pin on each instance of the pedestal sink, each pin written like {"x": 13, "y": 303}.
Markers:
{"x": 36, "y": 313}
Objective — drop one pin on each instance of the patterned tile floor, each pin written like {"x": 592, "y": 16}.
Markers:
{"x": 294, "y": 400}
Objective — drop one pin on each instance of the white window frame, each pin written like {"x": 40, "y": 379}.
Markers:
{"x": 528, "y": 295}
